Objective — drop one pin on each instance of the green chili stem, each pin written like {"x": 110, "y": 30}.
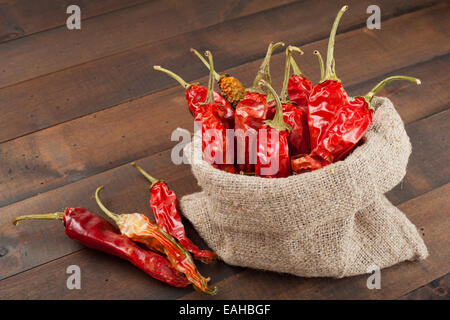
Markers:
{"x": 289, "y": 60}
{"x": 322, "y": 67}
{"x": 110, "y": 214}
{"x": 369, "y": 96}
{"x": 264, "y": 69}
{"x": 46, "y": 216}
{"x": 277, "y": 122}
{"x": 329, "y": 73}
{"x": 295, "y": 67}
{"x": 173, "y": 75}
{"x": 152, "y": 180}
{"x": 210, "y": 95}
{"x": 216, "y": 75}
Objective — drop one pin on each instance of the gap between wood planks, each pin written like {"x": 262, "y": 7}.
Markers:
{"x": 98, "y": 85}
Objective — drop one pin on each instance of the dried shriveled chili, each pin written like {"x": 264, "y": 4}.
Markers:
{"x": 232, "y": 89}
{"x": 348, "y": 126}
{"x": 250, "y": 114}
{"x": 164, "y": 204}
{"x": 139, "y": 228}
{"x": 96, "y": 233}
{"x": 196, "y": 95}
{"x": 299, "y": 86}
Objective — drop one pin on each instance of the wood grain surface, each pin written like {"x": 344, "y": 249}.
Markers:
{"x": 78, "y": 106}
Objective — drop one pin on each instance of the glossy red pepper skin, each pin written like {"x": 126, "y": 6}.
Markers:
{"x": 324, "y": 101}
{"x": 298, "y": 138}
{"x": 249, "y": 117}
{"x": 211, "y": 117}
{"x": 275, "y": 148}
{"x": 196, "y": 95}
{"x": 164, "y": 203}
{"x": 299, "y": 89}
{"x": 350, "y": 124}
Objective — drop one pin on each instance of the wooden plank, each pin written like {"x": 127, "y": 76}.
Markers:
{"x": 116, "y": 32}
{"x": 435, "y": 290}
{"x": 63, "y": 154}
{"x": 97, "y": 85}
{"x": 48, "y": 281}
{"x": 35, "y": 243}
{"x": 428, "y": 212}
{"x": 19, "y": 18}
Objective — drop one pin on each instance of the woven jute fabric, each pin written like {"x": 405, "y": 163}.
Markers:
{"x": 332, "y": 222}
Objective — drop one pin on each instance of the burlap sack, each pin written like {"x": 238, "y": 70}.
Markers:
{"x": 330, "y": 222}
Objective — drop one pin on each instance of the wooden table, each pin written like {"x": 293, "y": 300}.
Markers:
{"x": 78, "y": 105}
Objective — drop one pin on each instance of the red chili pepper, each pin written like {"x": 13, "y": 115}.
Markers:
{"x": 96, "y": 233}
{"x": 273, "y": 152}
{"x": 214, "y": 129}
{"x": 139, "y": 228}
{"x": 251, "y": 112}
{"x": 232, "y": 89}
{"x": 349, "y": 125}
{"x": 328, "y": 95}
{"x": 293, "y": 114}
{"x": 196, "y": 95}
{"x": 299, "y": 86}
{"x": 164, "y": 204}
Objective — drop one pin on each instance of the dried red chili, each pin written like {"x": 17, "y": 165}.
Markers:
{"x": 299, "y": 86}
{"x": 139, "y": 228}
{"x": 250, "y": 114}
{"x": 273, "y": 151}
{"x": 96, "y": 233}
{"x": 327, "y": 95}
{"x": 214, "y": 129}
{"x": 196, "y": 95}
{"x": 232, "y": 89}
{"x": 164, "y": 204}
{"x": 349, "y": 125}
{"x": 293, "y": 114}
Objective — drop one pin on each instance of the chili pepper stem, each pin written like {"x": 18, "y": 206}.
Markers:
{"x": 216, "y": 75}
{"x": 369, "y": 96}
{"x": 322, "y": 67}
{"x": 210, "y": 95}
{"x": 152, "y": 180}
{"x": 329, "y": 72}
{"x": 173, "y": 75}
{"x": 289, "y": 61}
{"x": 114, "y": 216}
{"x": 277, "y": 122}
{"x": 46, "y": 216}
{"x": 264, "y": 69}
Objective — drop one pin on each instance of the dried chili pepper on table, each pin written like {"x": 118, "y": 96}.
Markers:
{"x": 250, "y": 114}
{"x": 96, "y": 233}
{"x": 164, "y": 204}
{"x": 328, "y": 95}
{"x": 273, "y": 152}
{"x": 232, "y": 89}
{"x": 139, "y": 228}
{"x": 196, "y": 95}
{"x": 349, "y": 125}
{"x": 293, "y": 114}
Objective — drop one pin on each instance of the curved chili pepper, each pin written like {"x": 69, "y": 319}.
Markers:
{"x": 273, "y": 152}
{"x": 299, "y": 86}
{"x": 293, "y": 114}
{"x": 96, "y": 233}
{"x": 232, "y": 89}
{"x": 139, "y": 228}
{"x": 196, "y": 95}
{"x": 164, "y": 204}
{"x": 326, "y": 96}
{"x": 214, "y": 129}
{"x": 349, "y": 125}
{"x": 250, "y": 114}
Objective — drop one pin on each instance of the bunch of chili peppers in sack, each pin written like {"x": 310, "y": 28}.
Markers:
{"x": 305, "y": 128}
{"x": 165, "y": 250}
